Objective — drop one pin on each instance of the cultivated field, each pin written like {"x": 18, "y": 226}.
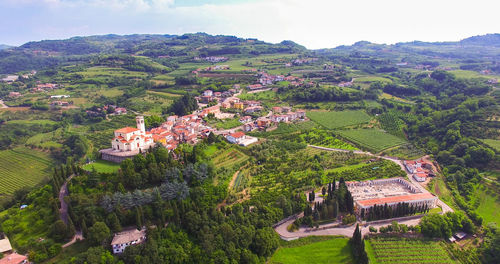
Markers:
{"x": 333, "y": 120}
{"x": 400, "y": 250}
{"x": 331, "y": 250}
{"x": 372, "y": 139}
{"x": 22, "y": 167}
{"x": 229, "y": 158}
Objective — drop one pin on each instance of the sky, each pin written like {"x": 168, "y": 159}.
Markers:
{"x": 312, "y": 23}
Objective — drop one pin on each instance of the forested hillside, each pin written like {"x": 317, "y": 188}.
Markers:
{"x": 365, "y": 108}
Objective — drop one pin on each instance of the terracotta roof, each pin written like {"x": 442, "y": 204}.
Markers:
{"x": 13, "y": 258}
{"x": 396, "y": 199}
{"x": 127, "y": 130}
{"x": 237, "y": 134}
{"x": 128, "y": 236}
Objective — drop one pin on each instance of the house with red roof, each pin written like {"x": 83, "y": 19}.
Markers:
{"x": 236, "y": 138}
{"x": 14, "y": 258}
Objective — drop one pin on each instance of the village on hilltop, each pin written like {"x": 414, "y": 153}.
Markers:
{"x": 190, "y": 129}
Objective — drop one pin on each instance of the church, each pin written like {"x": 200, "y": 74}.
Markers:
{"x": 128, "y": 142}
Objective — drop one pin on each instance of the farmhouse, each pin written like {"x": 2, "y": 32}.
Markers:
{"x": 127, "y": 238}
{"x": 10, "y": 78}
{"x": 241, "y": 139}
{"x": 5, "y": 246}
{"x": 14, "y": 94}
{"x": 236, "y": 137}
{"x": 14, "y": 258}
{"x": 390, "y": 191}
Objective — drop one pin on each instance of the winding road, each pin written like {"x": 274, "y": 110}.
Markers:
{"x": 64, "y": 211}
{"x": 333, "y": 228}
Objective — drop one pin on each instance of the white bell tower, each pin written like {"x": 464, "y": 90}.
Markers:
{"x": 140, "y": 124}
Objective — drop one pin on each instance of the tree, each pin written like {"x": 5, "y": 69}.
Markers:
{"x": 59, "y": 230}
{"x": 265, "y": 242}
{"x": 114, "y": 223}
{"x": 99, "y": 233}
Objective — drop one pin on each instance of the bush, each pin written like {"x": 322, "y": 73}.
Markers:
{"x": 348, "y": 219}
{"x": 373, "y": 229}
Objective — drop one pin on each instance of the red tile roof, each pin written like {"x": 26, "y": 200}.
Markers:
{"x": 13, "y": 258}
{"x": 237, "y": 134}
{"x": 127, "y": 130}
{"x": 396, "y": 199}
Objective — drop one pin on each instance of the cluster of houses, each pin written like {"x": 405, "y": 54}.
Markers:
{"x": 301, "y": 61}
{"x": 107, "y": 109}
{"x": 212, "y": 68}
{"x": 280, "y": 115}
{"x": 209, "y": 96}
{"x": 44, "y": 87}
{"x": 419, "y": 169}
{"x": 268, "y": 79}
{"x": 129, "y": 141}
{"x": 248, "y": 106}
{"x": 213, "y": 59}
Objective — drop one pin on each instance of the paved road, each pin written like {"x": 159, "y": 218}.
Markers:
{"x": 64, "y": 211}
{"x": 64, "y": 206}
{"x": 323, "y": 230}
{"x": 2, "y": 105}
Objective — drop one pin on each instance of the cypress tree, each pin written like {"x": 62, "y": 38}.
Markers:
{"x": 85, "y": 230}
{"x": 138, "y": 218}
{"x": 71, "y": 228}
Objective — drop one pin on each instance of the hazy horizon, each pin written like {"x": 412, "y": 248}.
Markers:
{"x": 314, "y": 24}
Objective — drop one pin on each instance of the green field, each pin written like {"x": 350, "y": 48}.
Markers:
{"x": 333, "y": 120}
{"x": 102, "y": 166}
{"x": 494, "y": 143}
{"x": 401, "y": 250}
{"x": 306, "y": 250}
{"x": 22, "y": 167}
{"x": 488, "y": 204}
{"x": 372, "y": 139}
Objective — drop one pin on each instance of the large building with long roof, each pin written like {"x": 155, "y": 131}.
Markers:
{"x": 390, "y": 191}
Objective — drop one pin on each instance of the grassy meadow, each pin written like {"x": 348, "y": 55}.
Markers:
{"x": 494, "y": 143}
{"x": 102, "y": 166}
{"x": 314, "y": 250}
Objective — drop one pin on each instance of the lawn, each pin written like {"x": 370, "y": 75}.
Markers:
{"x": 102, "y": 166}
{"x": 494, "y": 143}
{"x": 401, "y": 250}
{"x": 228, "y": 124}
{"x": 334, "y": 120}
{"x": 372, "y": 139}
{"x": 260, "y": 96}
{"x": 22, "y": 167}
{"x": 306, "y": 250}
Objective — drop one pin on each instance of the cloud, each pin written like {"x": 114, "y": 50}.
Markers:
{"x": 313, "y": 23}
